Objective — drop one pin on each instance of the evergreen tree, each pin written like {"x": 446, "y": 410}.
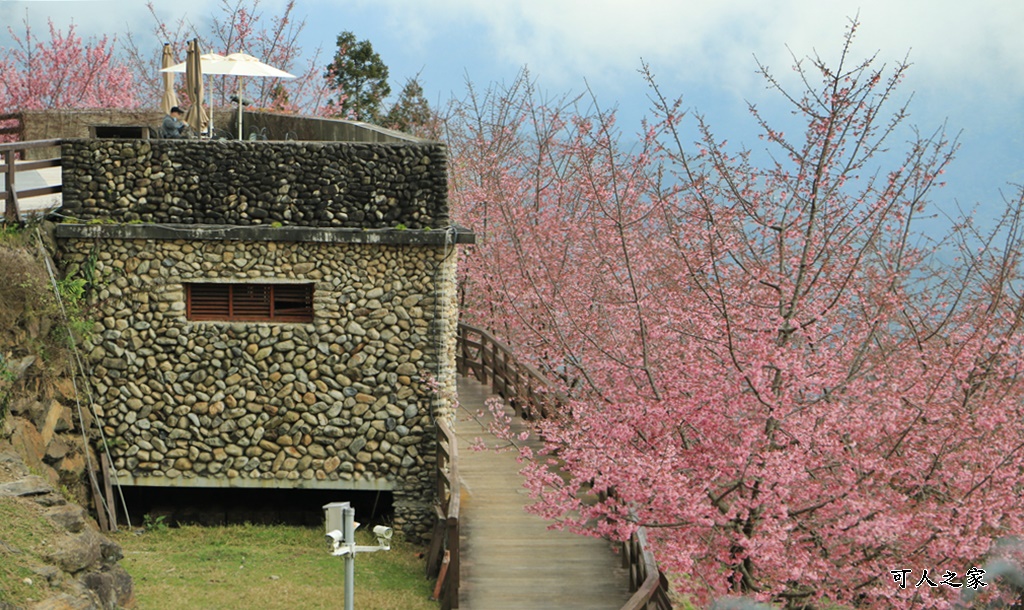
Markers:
{"x": 411, "y": 112}
{"x": 359, "y": 78}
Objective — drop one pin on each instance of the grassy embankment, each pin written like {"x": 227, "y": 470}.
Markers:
{"x": 26, "y": 537}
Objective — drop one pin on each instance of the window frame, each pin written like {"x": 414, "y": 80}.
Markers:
{"x": 225, "y": 302}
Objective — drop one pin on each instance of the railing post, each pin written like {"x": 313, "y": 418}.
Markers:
{"x": 11, "y": 212}
{"x": 454, "y": 569}
{"x": 483, "y": 359}
{"x": 499, "y": 369}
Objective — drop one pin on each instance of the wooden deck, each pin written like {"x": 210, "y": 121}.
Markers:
{"x": 510, "y": 560}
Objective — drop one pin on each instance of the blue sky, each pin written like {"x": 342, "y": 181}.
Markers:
{"x": 968, "y": 56}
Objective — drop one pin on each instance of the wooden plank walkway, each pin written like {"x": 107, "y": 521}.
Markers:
{"x": 510, "y": 560}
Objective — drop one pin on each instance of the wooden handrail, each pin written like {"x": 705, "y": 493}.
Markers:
{"x": 523, "y": 387}
{"x": 10, "y": 168}
{"x": 481, "y": 355}
{"x": 648, "y": 583}
{"x": 444, "y": 543}
{"x": 30, "y": 144}
{"x": 18, "y": 128}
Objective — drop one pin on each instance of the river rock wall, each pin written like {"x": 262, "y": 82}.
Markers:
{"x": 347, "y": 401}
{"x": 312, "y": 184}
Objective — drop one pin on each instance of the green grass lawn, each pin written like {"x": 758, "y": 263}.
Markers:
{"x": 266, "y": 567}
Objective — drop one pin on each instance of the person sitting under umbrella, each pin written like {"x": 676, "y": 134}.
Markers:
{"x": 173, "y": 126}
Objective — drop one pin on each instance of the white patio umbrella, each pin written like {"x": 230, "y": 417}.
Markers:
{"x": 238, "y": 64}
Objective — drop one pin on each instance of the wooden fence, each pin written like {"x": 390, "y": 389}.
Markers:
{"x": 526, "y": 390}
{"x": 492, "y": 362}
{"x": 649, "y": 585}
{"x": 12, "y": 127}
{"x": 443, "y": 557}
{"x": 10, "y": 168}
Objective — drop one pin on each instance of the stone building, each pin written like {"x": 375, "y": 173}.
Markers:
{"x": 268, "y": 314}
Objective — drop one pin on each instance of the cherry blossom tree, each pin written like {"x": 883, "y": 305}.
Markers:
{"x": 62, "y": 71}
{"x": 773, "y": 363}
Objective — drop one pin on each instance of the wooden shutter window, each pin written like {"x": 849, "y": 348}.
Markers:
{"x": 209, "y": 301}
{"x": 249, "y": 302}
{"x": 293, "y": 302}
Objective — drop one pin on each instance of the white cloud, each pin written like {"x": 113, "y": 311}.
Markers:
{"x": 965, "y": 54}
{"x": 953, "y": 43}
{"x": 950, "y": 41}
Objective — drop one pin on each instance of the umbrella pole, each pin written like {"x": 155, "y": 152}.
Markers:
{"x": 239, "y": 107}
{"x": 209, "y": 98}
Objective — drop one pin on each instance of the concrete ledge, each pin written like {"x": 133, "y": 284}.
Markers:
{"x": 245, "y": 482}
{"x": 404, "y": 237}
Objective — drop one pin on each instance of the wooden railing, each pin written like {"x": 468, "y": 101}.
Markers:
{"x": 532, "y": 396}
{"x": 649, "y": 585}
{"x": 10, "y": 169}
{"x": 12, "y": 126}
{"x": 443, "y": 561}
{"x": 492, "y": 362}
